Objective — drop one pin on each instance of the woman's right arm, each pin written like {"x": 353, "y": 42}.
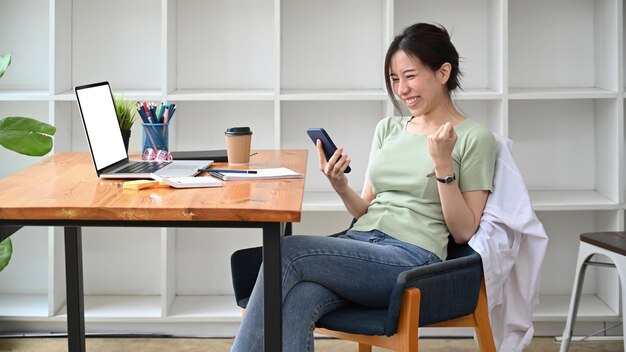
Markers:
{"x": 334, "y": 170}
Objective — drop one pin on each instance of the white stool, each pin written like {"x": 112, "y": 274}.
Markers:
{"x": 610, "y": 244}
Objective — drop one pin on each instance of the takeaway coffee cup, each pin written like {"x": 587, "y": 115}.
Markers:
{"x": 238, "y": 140}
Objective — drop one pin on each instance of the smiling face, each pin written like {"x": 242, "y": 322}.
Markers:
{"x": 421, "y": 89}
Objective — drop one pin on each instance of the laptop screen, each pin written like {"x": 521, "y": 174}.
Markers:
{"x": 100, "y": 120}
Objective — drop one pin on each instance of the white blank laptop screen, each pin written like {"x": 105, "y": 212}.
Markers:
{"x": 101, "y": 125}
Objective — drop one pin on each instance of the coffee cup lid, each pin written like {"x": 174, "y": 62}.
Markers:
{"x": 238, "y": 131}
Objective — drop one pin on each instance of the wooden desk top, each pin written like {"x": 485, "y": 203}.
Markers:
{"x": 65, "y": 187}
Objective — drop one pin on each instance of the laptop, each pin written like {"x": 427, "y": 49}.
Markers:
{"x": 97, "y": 109}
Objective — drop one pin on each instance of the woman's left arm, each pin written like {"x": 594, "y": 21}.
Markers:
{"x": 461, "y": 210}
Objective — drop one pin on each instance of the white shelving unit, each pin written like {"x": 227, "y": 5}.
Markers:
{"x": 548, "y": 74}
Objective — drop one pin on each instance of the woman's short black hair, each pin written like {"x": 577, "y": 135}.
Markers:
{"x": 431, "y": 45}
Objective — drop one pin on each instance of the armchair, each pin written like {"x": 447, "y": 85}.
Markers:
{"x": 446, "y": 294}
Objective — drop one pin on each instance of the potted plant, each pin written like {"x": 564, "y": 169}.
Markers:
{"x": 22, "y": 135}
{"x": 126, "y": 116}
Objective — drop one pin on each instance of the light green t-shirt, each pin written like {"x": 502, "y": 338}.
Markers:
{"x": 407, "y": 205}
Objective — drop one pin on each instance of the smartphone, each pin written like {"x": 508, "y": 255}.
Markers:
{"x": 327, "y": 143}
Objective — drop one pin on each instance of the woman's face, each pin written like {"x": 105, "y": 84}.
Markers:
{"x": 421, "y": 89}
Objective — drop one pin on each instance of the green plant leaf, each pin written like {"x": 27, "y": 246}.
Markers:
{"x": 26, "y": 136}
{"x": 6, "y": 249}
{"x": 126, "y": 112}
{"x": 5, "y": 61}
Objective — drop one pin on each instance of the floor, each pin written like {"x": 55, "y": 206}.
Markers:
{"x": 220, "y": 345}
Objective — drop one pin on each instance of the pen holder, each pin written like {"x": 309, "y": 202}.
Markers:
{"x": 155, "y": 137}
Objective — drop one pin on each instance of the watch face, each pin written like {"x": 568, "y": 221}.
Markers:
{"x": 447, "y": 179}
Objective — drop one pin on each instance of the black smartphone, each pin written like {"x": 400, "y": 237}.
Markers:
{"x": 327, "y": 143}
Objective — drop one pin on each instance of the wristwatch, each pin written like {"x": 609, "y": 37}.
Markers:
{"x": 447, "y": 179}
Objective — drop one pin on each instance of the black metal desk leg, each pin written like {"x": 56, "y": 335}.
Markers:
{"x": 272, "y": 307}
{"x": 74, "y": 287}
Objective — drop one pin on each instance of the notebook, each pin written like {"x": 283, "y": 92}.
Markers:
{"x": 97, "y": 110}
{"x": 259, "y": 174}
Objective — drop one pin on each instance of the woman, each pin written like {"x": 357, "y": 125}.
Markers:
{"x": 429, "y": 176}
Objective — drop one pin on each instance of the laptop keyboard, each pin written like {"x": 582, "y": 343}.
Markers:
{"x": 143, "y": 167}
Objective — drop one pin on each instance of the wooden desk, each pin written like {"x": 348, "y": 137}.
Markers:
{"x": 63, "y": 190}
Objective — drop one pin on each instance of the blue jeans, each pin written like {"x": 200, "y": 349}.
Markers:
{"x": 321, "y": 274}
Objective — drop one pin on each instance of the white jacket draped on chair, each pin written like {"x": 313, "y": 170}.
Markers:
{"x": 512, "y": 243}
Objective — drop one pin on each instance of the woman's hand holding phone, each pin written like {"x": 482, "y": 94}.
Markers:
{"x": 335, "y": 167}
{"x": 335, "y": 164}
{"x": 328, "y": 145}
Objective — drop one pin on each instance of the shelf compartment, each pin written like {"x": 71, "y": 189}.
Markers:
{"x": 221, "y": 95}
{"x": 221, "y": 44}
{"x": 579, "y": 49}
{"x": 332, "y": 94}
{"x": 568, "y": 145}
{"x": 122, "y": 308}
{"x": 554, "y": 308}
{"x": 29, "y": 68}
{"x": 201, "y": 125}
{"x": 327, "y": 44}
{"x": 18, "y": 306}
{"x": 475, "y": 30}
{"x": 130, "y": 94}
{"x": 559, "y": 268}
{"x": 209, "y": 249}
{"x": 205, "y": 308}
{"x": 121, "y": 261}
{"x": 356, "y": 138}
{"x": 134, "y": 27}
{"x": 30, "y": 259}
{"x": 560, "y": 93}
{"x": 571, "y": 200}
